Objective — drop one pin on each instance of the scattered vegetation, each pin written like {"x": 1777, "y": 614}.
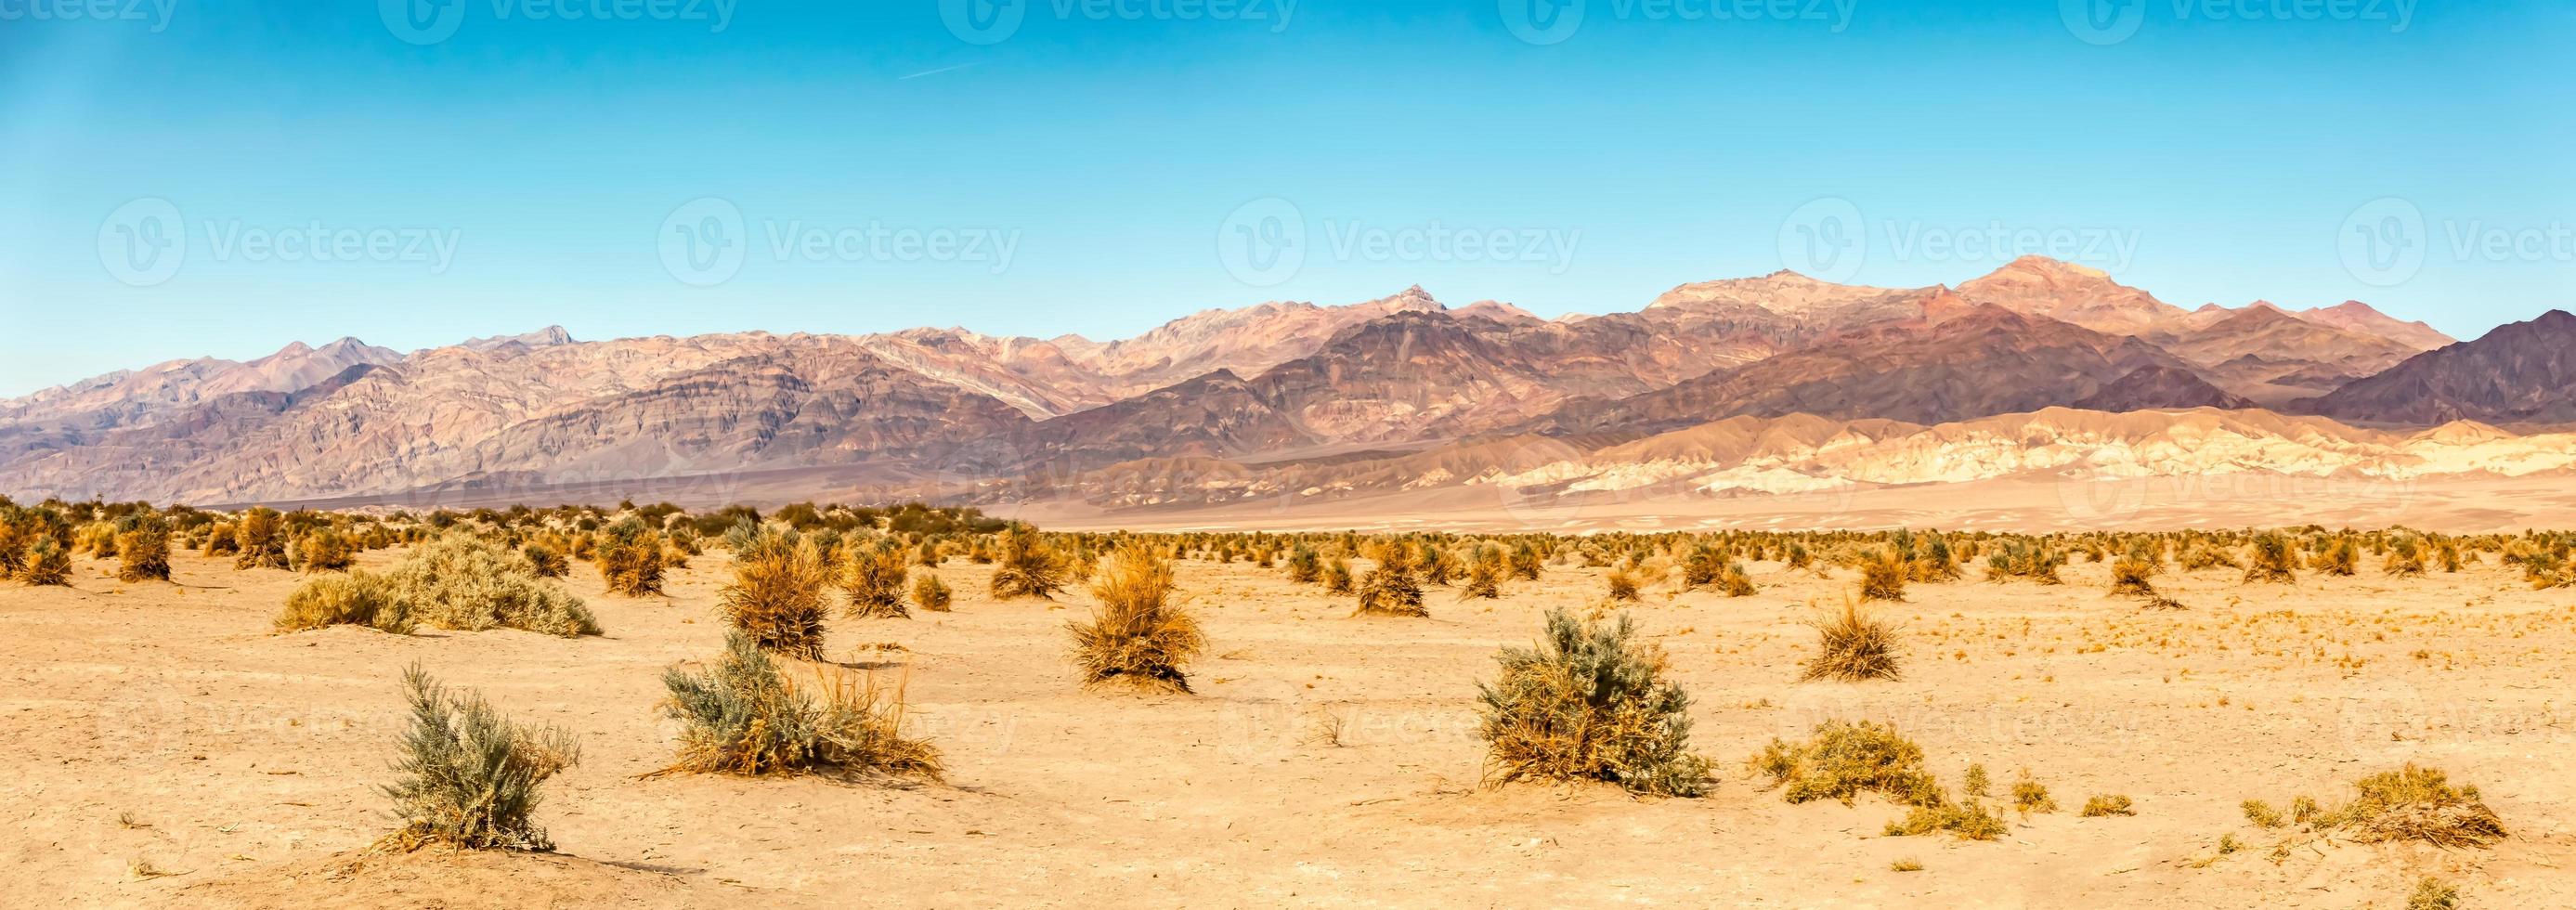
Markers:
{"x": 470, "y": 777}
{"x": 1590, "y": 702}
{"x": 1852, "y": 646}
{"x": 744, "y": 716}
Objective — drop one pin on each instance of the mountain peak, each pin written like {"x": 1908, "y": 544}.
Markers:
{"x": 547, "y": 337}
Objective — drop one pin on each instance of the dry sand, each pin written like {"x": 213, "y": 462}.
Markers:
{"x": 164, "y": 725}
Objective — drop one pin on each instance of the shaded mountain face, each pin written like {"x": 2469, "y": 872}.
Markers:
{"x": 1991, "y": 361}
{"x": 2523, "y": 372}
{"x": 1220, "y": 395}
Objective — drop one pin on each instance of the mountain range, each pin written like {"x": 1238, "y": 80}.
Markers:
{"x": 1736, "y": 387}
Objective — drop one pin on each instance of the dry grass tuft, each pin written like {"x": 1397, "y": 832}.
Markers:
{"x": 931, "y": 594}
{"x": 1027, "y": 566}
{"x": 2416, "y": 804}
{"x": 631, "y": 558}
{"x": 1590, "y": 702}
{"x": 2433, "y": 894}
{"x": 745, "y": 716}
{"x": 1852, "y": 646}
{"x": 874, "y": 580}
{"x": 2104, "y": 805}
{"x": 259, "y": 540}
{"x": 1393, "y": 588}
{"x": 2030, "y": 797}
{"x": 471, "y": 776}
{"x": 1882, "y": 577}
{"x": 2274, "y": 561}
{"x": 1843, "y": 760}
{"x": 143, "y": 552}
{"x": 780, "y": 597}
{"x": 1970, "y": 820}
{"x": 1136, "y": 636}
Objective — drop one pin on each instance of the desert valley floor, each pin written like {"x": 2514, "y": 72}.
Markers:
{"x": 164, "y": 726}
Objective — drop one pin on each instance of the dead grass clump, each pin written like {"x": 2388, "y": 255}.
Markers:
{"x": 631, "y": 558}
{"x": 354, "y": 599}
{"x": 2030, "y": 797}
{"x": 2416, "y": 804}
{"x": 2274, "y": 561}
{"x": 2433, "y": 894}
{"x": 1590, "y": 702}
{"x": 1392, "y": 589}
{"x": 874, "y": 580}
{"x": 1882, "y": 577}
{"x": 464, "y": 582}
{"x": 1843, "y": 760}
{"x": 470, "y": 776}
{"x": 1027, "y": 566}
{"x": 1852, "y": 646}
{"x": 259, "y": 540}
{"x": 1136, "y": 636}
{"x": 744, "y": 716}
{"x": 2105, "y": 805}
{"x": 1971, "y": 820}
{"x": 931, "y": 594}
{"x": 780, "y": 597}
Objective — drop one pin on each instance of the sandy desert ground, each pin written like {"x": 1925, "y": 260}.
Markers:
{"x": 163, "y": 726}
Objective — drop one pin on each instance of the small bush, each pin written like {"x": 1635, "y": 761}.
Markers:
{"x": 1622, "y": 582}
{"x": 1882, "y": 577}
{"x": 744, "y": 716}
{"x": 2433, "y": 894}
{"x": 1971, "y": 820}
{"x": 325, "y": 550}
{"x": 2133, "y": 577}
{"x": 779, "y": 598}
{"x": 2274, "y": 561}
{"x": 546, "y": 561}
{"x": 259, "y": 540}
{"x": 1843, "y": 760}
{"x": 1392, "y": 589}
{"x": 466, "y": 583}
{"x": 1590, "y": 703}
{"x": 1484, "y": 580}
{"x": 2030, "y": 797}
{"x": 470, "y": 776}
{"x": 1908, "y": 864}
{"x": 874, "y": 580}
{"x": 2416, "y": 804}
{"x": 1136, "y": 636}
{"x": 48, "y": 564}
{"x": 356, "y": 599}
{"x": 144, "y": 553}
{"x": 1976, "y": 783}
{"x": 1852, "y": 646}
{"x": 1304, "y": 567}
{"x": 2262, "y": 814}
{"x": 1027, "y": 566}
{"x": 2107, "y": 805}
{"x": 1337, "y": 577}
{"x": 631, "y": 558}
{"x": 931, "y": 594}
{"x": 1734, "y": 582}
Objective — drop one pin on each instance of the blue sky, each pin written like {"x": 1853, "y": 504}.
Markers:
{"x": 187, "y": 178}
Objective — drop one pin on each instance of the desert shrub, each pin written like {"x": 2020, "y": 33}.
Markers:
{"x": 2103, "y": 805}
{"x": 2029, "y": 796}
{"x": 1843, "y": 760}
{"x": 2036, "y": 562}
{"x": 874, "y": 580}
{"x": 779, "y": 597}
{"x": 2433, "y": 894}
{"x": 2262, "y": 814}
{"x": 223, "y": 538}
{"x": 1882, "y": 577}
{"x": 143, "y": 551}
{"x": 463, "y": 582}
{"x": 546, "y": 561}
{"x": 1484, "y": 580}
{"x": 1337, "y": 577}
{"x": 259, "y": 540}
{"x": 1027, "y": 567}
{"x": 1590, "y": 702}
{"x": 2274, "y": 560}
{"x": 2405, "y": 556}
{"x": 929, "y": 593}
{"x": 1734, "y": 582}
{"x": 2340, "y": 557}
{"x": 631, "y": 558}
{"x": 49, "y": 564}
{"x": 1622, "y": 582}
{"x": 1970, "y": 820}
{"x": 470, "y": 776}
{"x": 2207, "y": 556}
{"x": 1702, "y": 568}
{"x": 744, "y": 716}
{"x": 2416, "y": 804}
{"x": 356, "y": 599}
{"x": 325, "y": 550}
{"x": 1852, "y": 646}
{"x": 1304, "y": 566}
{"x": 1392, "y": 589}
{"x": 1136, "y": 636}
{"x": 1526, "y": 561}
{"x": 97, "y": 538}
{"x": 1975, "y": 783}
{"x": 2133, "y": 577}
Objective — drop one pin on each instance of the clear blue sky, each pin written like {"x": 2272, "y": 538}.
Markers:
{"x": 1115, "y": 148}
